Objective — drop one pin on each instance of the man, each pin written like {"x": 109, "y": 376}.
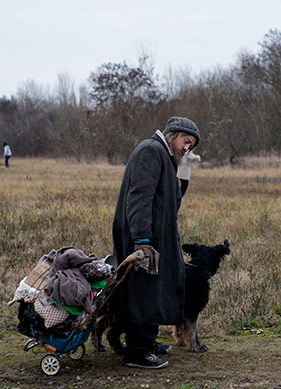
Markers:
{"x": 146, "y": 218}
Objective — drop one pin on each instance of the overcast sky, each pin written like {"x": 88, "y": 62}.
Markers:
{"x": 41, "y": 38}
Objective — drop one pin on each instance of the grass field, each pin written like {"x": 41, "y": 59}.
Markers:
{"x": 46, "y": 204}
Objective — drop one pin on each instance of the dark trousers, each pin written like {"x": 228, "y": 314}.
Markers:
{"x": 140, "y": 338}
{"x": 7, "y": 161}
{"x": 184, "y": 185}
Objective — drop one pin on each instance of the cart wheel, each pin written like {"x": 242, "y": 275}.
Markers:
{"x": 50, "y": 364}
{"x": 78, "y": 353}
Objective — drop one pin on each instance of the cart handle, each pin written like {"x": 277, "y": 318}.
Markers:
{"x": 139, "y": 254}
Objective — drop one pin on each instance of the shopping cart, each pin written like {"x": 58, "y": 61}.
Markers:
{"x": 68, "y": 338}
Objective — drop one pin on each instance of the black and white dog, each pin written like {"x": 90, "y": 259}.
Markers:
{"x": 204, "y": 263}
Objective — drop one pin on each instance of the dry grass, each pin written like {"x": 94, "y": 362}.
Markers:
{"x": 47, "y": 204}
{"x": 261, "y": 162}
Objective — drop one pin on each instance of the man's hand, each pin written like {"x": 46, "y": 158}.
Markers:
{"x": 150, "y": 262}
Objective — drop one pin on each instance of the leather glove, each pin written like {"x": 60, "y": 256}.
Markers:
{"x": 150, "y": 261}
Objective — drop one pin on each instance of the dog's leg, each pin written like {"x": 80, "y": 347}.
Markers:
{"x": 97, "y": 332}
{"x": 191, "y": 337}
{"x": 201, "y": 347}
{"x": 113, "y": 337}
{"x": 178, "y": 334}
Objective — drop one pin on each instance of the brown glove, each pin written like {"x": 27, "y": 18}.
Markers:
{"x": 150, "y": 261}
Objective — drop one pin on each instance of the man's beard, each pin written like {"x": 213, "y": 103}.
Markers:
{"x": 177, "y": 157}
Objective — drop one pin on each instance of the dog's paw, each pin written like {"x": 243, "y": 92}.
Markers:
{"x": 202, "y": 348}
{"x": 180, "y": 342}
{"x": 119, "y": 349}
{"x": 101, "y": 348}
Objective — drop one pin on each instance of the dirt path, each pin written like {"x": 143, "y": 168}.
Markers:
{"x": 245, "y": 361}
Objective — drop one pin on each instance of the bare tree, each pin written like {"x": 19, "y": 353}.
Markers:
{"x": 70, "y": 126}
{"x": 123, "y": 98}
{"x": 261, "y": 79}
{"x": 30, "y": 122}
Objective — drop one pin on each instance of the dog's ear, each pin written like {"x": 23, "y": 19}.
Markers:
{"x": 222, "y": 249}
{"x": 226, "y": 245}
{"x": 190, "y": 248}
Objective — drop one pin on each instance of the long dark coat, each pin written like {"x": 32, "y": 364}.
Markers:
{"x": 147, "y": 208}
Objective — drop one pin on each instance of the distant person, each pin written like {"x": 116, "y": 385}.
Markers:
{"x": 7, "y": 153}
{"x": 184, "y": 169}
